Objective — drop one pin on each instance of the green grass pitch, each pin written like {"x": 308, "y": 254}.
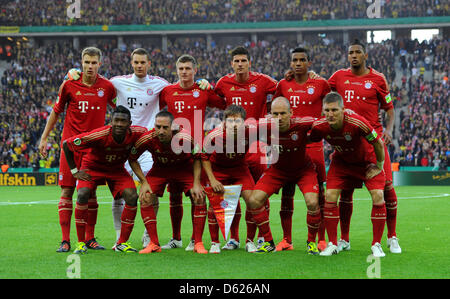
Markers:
{"x": 30, "y": 234}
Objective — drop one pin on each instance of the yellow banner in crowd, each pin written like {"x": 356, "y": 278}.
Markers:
{"x": 9, "y": 29}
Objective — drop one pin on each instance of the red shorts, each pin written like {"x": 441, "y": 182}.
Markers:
{"x": 65, "y": 178}
{"x": 317, "y": 157}
{"x": 256, "y": 161}
{"x": 273, "y": 179}
{"x": 117, "y": 180}
{"x": 342, "y": 175}
{"x": 180, "y": 179}
{"x": 232, "y": 176}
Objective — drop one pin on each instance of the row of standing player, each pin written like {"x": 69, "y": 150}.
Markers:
{"x": 143, "y": 93}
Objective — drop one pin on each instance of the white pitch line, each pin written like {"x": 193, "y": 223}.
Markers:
{"x": 54, "y": 202}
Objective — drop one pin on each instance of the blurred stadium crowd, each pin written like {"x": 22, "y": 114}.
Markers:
{"x": 30, "y": 83}
{"x": 109, "y": 12}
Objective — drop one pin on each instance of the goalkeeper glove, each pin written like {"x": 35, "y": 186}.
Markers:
{"x": 73, "y": 74}
{"x": 204, "y": 84}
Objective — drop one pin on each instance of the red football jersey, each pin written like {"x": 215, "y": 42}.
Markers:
{"x": 177, "y": 153}
{"x": 306, "y": 99}
{"x": 86, "y": 106}
{"x": 365, "y": 95}
{"x": 105, "y": 153}
{"x": 291, "y": 146}
{"x": 351, "y": 143}
{"x": 252, "y": 95}
{"x": 225, "y": 153}
{"x": 189, "y": 105}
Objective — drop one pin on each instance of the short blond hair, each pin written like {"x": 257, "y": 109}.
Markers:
{"x": 187, "y": 58}
{"x": 92, "y": 51}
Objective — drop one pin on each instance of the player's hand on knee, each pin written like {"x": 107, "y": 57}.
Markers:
{"x": 204, "y": 84}
{"x": 82, "y": 175}
{"x": 146, "y": 199}
{"x": 217, "y": 186}
{"x": 144, "y": 190}
{"x": 372, "y": 170}
{"x": 73, "y": 74}
{"x": 198, "y": 193}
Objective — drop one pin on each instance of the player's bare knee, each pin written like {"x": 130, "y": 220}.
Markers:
{"x": 130, "y": 196}
{"x": 83, "y": 195}
{"x": 67, "y": 192}
{"x": 332, "y": 195}
{"x": 312, "y": 201}
{"x": 246, "y": 196}
{"x": 377, "y": 197}
{"x": 257, "y": 199}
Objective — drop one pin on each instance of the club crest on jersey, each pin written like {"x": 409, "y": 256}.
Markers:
{"x": 100, "y": 92}
{"x": 150, "y": 91}
{"x": 294, "y": 137}
{"x": 252, "y": 88}
{"x": 311, "y": 90}
{"x": 347, "y": 136}
{"x": 368, "y": 85}
{"x": 195, "y": 93}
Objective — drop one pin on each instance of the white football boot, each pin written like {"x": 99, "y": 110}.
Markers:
{"x": 190, "y": 246}
{"x": 215, "y": 248}
{"x": 330, "y": 250}
{"x": 173, "y": 244}
{"x": 250, "y": 246}
{"x": 377, "y": 251}
{"x": 392, "y": 244}
{"x": 343, "y": 245}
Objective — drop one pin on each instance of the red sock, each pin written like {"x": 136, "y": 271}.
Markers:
{"x": 378, "y": 220}
{"x": 65, "y": 208}
{"x": 251, "y": 226}
{"x": 91, "y": 218}
{"x": 149, "y": 219}
{"x": 345, "y": 213}
{"x": 313, "y": 219}
{"x": 81, "y": 211}
{"x": 199, "y": 222}
{"x": 176, "y": 214}
{"x": 390, "y": 197}
{"x": 331, "y": 218}
{"x": 321, "y": 232}
{"x": 213, "y": 226}
{"x": 192, "y": 217}
{"x": 261, "y": 218}
{"x": 286, "y": 211}
{"x": 260, "y": 235}
{"x": 127, "y": 223}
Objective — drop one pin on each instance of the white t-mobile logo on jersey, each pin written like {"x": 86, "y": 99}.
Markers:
{"x": 179, "y": 105}
{"x": 294, "y": 101}
{"x": 349, "y": 95}
{"x": 236, "y": 100}
{"x": 83, "y": 105}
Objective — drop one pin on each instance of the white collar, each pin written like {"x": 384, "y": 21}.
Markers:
{"x": 139, "y": 80}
